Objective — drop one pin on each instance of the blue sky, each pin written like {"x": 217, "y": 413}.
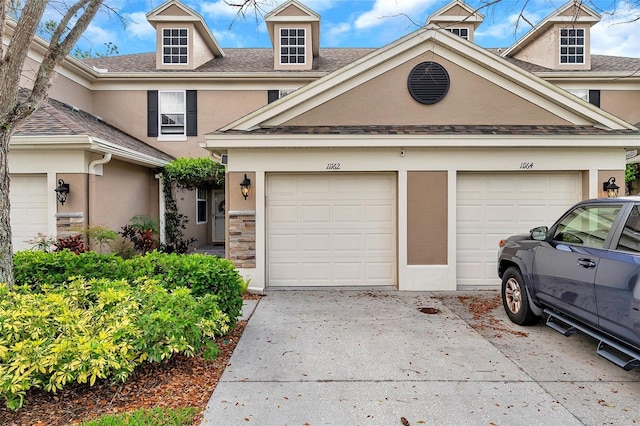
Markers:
{"x": 362, "y": 23}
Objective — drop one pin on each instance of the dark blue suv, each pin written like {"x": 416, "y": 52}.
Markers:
{"x": 582, "y": 274}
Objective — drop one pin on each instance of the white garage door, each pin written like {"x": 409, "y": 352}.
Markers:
{"x": 331, "y": 229}
{"x": 29, "y": 214}
{"x": 491, "y": 207}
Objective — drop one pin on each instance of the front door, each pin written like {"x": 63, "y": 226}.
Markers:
{"x": 218, "y": 217}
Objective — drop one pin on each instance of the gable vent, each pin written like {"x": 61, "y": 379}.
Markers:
{"x": 428, "y": 83}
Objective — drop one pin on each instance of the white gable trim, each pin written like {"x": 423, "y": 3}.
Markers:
{"x": 449, "y": 46}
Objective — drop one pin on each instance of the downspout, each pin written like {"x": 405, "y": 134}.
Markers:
{"x": 95, "y": 168}
{"x": 161, "y": 208}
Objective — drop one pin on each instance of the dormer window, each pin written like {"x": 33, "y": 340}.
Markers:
{"x": 572, "y": 46}
{"x": 460, "y": 32}
{"x": 292, "y": 46}
{"x": 175, "y": 45}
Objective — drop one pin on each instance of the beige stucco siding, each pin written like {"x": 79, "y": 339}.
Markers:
{"x": 128, "y": 110}
{"x": 123, "y": 191}
{"x": 624, "y": 104}
{"x": 544, "y": 49}
{"x": 385, "y": 100}
{"x": 427, "y": 218}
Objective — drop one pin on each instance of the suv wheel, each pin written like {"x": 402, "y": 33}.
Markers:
{"x": 515, "y": 299}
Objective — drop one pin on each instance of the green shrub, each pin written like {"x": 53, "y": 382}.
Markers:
{"x": 202, "y": 274}
{"x": 85, "y": 330}
{"x": 37, "y": 268}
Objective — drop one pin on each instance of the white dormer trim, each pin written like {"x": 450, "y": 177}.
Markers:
{"x": 474, "y": 17}
{"x": 191, "y": 17}
{"x": 556, "y": 17}
{"x": 310, "y": 17}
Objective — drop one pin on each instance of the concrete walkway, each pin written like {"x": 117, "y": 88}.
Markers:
{"x": 335, "y": 357}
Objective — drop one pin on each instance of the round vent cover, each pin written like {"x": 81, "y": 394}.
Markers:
{"x": 428, "y": 83}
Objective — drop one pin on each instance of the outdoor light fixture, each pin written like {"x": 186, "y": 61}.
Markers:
{"x": 610, "y": 187}
{"x": 244, "y": 186}
{"x": 62, "y": 191}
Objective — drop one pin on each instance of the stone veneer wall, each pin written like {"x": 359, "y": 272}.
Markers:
{"x": 242, "y": 238}
{"x": 65, "y": 221}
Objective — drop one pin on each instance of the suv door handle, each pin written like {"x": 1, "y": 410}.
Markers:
{"x": 586, "y": 263}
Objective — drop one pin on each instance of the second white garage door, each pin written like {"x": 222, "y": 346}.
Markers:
{"x": 492, "y": 206}
{"x": 29, "y": 213}
{"x": 331, "y": 229}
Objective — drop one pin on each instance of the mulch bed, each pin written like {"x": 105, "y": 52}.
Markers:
{"x": 179, "y": 382}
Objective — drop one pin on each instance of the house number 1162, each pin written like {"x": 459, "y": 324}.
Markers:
{"x": 526, "y": 166}
{"x": 333, "y": 166}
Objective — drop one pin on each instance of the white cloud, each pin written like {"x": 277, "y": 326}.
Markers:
{"x": 506, "y": 30}
{"x": 99, "y": 35}
{"x": 390, "y": 8}
{"x": 218, "y": 9}
{"x": 616, "y": 35}
{"x": 334, "y": 33}
{"x": 137, "y": 26}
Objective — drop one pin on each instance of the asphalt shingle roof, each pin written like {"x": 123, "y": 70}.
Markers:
{"x": 235, "y": 61}
{"x": 56, "y": 118}
{"x": 261, "y": 60}
{"x": 434, "y": 130}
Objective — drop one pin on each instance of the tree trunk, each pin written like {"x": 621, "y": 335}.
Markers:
{"x": 6, "y": 248}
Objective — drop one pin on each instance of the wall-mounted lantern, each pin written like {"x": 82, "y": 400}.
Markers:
{"x": 610, "y": 187}
{"x": 245, "y": 185}
{"x": 62, "y": 191}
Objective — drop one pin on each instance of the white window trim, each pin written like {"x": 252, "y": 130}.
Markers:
{"x": 174, "y": 136}
{"x": 581, "y": 93}
{"x": 171, "y": 45}
{"x": 454, "y": 29}
{"x": 304, "y": 45}
{"x": 284, "y": 92}
{"x": 206, "y": 207}
{"x": 583, "y": 45}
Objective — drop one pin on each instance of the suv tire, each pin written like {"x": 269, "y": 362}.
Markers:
{"x": 515, "y": 298}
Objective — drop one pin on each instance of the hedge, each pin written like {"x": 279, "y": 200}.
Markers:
{"x": 202, "y": 274}
{"x": 81, "y": 331}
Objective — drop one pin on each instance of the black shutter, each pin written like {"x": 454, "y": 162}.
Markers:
{"x": 273, "y": 96}
{"x": 192, "y": 113}
{"x": 152, "y": 113}
{"x": 594, "y": 97}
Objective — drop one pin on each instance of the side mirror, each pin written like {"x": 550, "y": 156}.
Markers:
{"x": 539, "y": 233}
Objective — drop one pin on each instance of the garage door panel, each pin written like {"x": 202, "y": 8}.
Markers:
{"x": 379, "y": 243}
{"x": 470, "y": 213}
{"x": 378, "y": 213}
{"x": 29, "y": 209}
{"x": 283, "y": 243}
{"x": 283, "y": 214}
{"x": 315, "y": 243}
{"x": 379, "y": 271}
{"x": 342, "y": 224}
{"x": 348, "y": 214}
{"x": 348, "y": 242}
{"x": 315, "y": 214}
{"x": 492, "y": 206}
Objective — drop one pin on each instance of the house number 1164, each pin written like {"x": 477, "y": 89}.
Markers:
{"x": 526, "y": 166}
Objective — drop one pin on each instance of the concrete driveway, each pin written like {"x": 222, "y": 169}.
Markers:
{"x": 372, "y": 357}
